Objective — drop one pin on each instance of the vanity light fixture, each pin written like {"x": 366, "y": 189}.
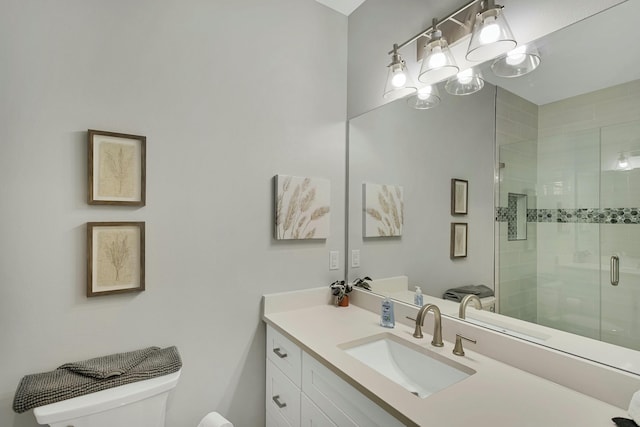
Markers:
{"x": 426, "y": 98}
{"x": 465, "y": 82}
{"x": 518, "y": 62}
{"x": 491, "y": 36}
{"x": 399, "y": 82}
{"x": 437, "y": 61}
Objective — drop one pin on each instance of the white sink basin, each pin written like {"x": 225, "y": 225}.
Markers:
{"x": 420, "y": 371}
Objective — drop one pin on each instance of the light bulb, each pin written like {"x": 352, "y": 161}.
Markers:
{"x": 424, "y": 92}
{"x": 490, "y": 30}
{"x": 516, "y": 56}
{"x": 437, "y": 59}
{"x": 623, "y": 162}
{"x": 465, "y": 77}
{"x": 399, "y": 78}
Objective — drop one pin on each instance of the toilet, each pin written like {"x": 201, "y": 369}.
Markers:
{"x": 138, "y": 404}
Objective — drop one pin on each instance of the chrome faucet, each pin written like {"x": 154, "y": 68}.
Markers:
{"x": 437, "y": 324}
{"x": 465, "y": 302}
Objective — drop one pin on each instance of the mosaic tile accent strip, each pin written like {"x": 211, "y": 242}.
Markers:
{"x": 501, "y": 214}
{"x": 582, "y": 215}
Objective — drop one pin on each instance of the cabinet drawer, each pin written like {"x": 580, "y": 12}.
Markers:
{"x": 276, "y": 420}
{"x": 285, "y": 355}
{"x": 311, "y": 415}
{"x": 282, "y": 396}
{"x": 342, "y": 403}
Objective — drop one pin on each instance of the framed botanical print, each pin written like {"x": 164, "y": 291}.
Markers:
{"x": 459, "y": 234}
{"x": 115, "y": 257}
{"x": 117, "y": 169}
{"x": 459, "y": 196}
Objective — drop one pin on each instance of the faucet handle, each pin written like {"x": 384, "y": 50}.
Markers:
{"x": 457, "y": 349}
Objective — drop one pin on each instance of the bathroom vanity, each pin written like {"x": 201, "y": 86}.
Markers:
{"x": 319, "y": 372}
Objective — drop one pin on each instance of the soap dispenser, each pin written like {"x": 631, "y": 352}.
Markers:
{"x": 387, "y": 318}
{"x": 417, "y": 297}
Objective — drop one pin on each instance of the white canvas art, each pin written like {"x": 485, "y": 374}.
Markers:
{"x": 302, "y": 207}
{"x": 383, "y": 210}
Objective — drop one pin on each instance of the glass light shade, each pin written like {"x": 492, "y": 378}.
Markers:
{"x": 622, "y": 163}
{"x": 465, "y": 83}
{"x": 427, "y": 97}
{"x": 399, "y": 81}
{"x": 437, "y": 61}
{"x": 518, "y": 62}
{"x": 491, "y": 36}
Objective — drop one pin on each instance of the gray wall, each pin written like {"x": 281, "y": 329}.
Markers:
{"x": 228, "y": 94}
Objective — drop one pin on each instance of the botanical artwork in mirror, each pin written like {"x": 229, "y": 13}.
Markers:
{"x": 569, "y": 145}
{"x": 459, "y": 235}
{"x": 383, "y": 210}
{"x": 302, "y": 207}
{"x": 459, "y": 196}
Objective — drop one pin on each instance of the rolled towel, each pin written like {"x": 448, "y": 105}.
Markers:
{"x": 634, "y": 407}
{"x": 456, "y": 294}
{"x": 214, "y": 419}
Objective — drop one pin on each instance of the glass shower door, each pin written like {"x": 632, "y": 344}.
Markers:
{"x": 620, "y": 235}
{"x": 568, "y": 247}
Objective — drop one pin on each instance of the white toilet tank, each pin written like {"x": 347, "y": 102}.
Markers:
{"x": 139, "y": 404}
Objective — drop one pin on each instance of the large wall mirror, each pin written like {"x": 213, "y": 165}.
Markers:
{"x": 566, "y": 138}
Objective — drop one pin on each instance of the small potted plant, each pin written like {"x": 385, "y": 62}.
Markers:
{"x": 340, "y": 289}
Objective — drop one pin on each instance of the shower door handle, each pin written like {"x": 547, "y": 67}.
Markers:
{"x": 615, "y": 270}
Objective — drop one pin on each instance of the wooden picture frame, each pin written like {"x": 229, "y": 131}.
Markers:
{"x": 117, "y": 169}
{"x": 115, "y": 257}
{"x": 459, "y": 235}
{"x": 459, "y": 196}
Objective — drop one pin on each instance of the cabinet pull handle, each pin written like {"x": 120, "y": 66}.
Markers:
{"x": 615, "y": 270}
{"x": 276, "y": 399}
{"x": 280, "y": 354}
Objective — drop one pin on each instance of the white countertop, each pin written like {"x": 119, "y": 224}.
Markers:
{"x": 496, "y": 395}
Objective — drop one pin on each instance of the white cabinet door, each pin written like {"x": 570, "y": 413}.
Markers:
{"x": 342, "y": 403}
{"x": 276, "y": 420}
{"x": 282, "y": 396}
{"x": 311, "y": 415}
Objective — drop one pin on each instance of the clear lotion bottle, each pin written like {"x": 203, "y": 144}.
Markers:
{"x": 387, "y": 318}
{"x": 417, "y": 297}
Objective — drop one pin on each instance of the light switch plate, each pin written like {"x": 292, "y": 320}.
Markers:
{"x": 333, "y": 260}
{"x": 355, "y": 258}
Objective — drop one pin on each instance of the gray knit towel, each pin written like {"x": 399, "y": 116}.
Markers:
{"x": 80, "y": 378}
{"x": 456, "y": 294}
{"x": 109, "y": 366}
